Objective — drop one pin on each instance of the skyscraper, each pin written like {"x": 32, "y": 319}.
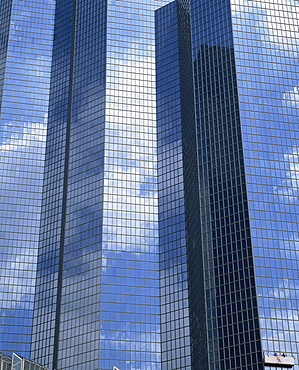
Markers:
{"x": 245, "y": 63}
{"x": 25, "y": 58}
{"x": 97, "y": 295}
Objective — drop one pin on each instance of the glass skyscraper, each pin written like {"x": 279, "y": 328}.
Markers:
{"x": 245, "y": 65}
{"x": 25, "y": 58}
{"x": 97, "y": 295}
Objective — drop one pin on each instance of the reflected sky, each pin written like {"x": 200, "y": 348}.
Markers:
{"x": 23, "y": 122}
{"x": 130, "y": 200}
{"x": 267, "y": 46}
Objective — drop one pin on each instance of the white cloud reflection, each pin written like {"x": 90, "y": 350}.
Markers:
{"x": 277, "y": 18}
{"x": 290, "y": 186}
{"x": 280, "y": 331}
{"x": 291, "y": 98}
{"x": 18, "y": 151}
{"x": 130, "y": 200}
{"x": 31, "y": 135}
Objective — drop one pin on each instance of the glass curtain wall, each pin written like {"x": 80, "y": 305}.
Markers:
{"x": 130, "y": 305}
{"x": 233, "y": 329}
{"x": 98, "y": 276}
{"x": 267, "y": 51}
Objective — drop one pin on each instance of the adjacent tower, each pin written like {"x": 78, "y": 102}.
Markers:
{"x": 245, "y": 65}
{"x": 233, "y": 326}
{"x": 267, "y": 69}
{"x": 25, "y": 60}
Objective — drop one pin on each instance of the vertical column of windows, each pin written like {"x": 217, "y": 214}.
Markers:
{"x": 80, "y": 324}
{"x": 183, "y": 319}
{"x": 196, "y": 294}
{"x": 47, "y": 305}
{"x": 24, "y": 91}
{"x": 130, "y": 327}
{"x": 5, "y": 19}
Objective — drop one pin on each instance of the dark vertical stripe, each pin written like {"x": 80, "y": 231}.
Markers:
{"x": 197, "y": 312}
{"x": 65, "y": 186}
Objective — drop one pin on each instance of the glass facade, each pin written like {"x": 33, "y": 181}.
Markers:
{"x": 245, "y": 58}
{"x": 267, "y": 51}
{"x": 5, "y": 19}
{"x": 233, "y": 333}
{"x": 97, "y": 299}
{"x": 245, "y": 78}
{"x": 172, "y": 222}
{"x": 24, "y": 88}
{"x": 169, "y": 211}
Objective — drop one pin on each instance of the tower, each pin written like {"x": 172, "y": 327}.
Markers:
{"x": 255, "y": 85}
{"x": 97, "y": 297}
{"x": 245, "y": 93}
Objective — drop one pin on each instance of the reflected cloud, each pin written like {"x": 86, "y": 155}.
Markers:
{"x": 134, "y": 343}
{"x": 19, "y": 150}
{"x": 286, "y": 35}
{"x": 291, "y": 98}
{"x": 130, "y": 196}
{"x": 21, "y": 290}
{"x": 286, "y": 289}
{"x": 290, "y": 186}
{"x": 31, "y": 134}
{"x": 280, "y": 330}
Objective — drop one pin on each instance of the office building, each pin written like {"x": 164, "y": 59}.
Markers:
{"x": 245, "y": 64}
{"x": 25, "y": 59}
{"x": 97, "y": 294}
